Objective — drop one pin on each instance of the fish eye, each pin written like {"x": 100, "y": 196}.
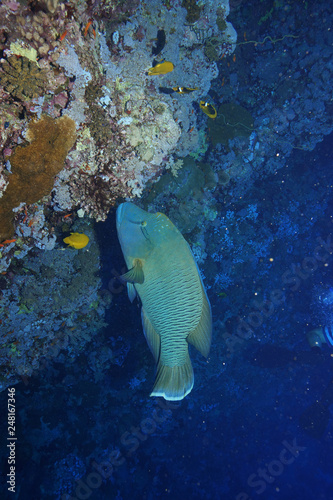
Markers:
{"x": 144, "y": 231}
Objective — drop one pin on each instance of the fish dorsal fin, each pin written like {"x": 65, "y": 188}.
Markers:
{"x": 201, "y": 337}
{"x": 153, "y": 338}
{"x": 134, "y": 275}
{"x": 131, "y": 292}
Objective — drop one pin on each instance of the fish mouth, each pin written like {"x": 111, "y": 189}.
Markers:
{"x": 129, "y": 213}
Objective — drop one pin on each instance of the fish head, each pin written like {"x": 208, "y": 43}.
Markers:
{"x": 140, "y": 232}
{"x": 132, "y": 233}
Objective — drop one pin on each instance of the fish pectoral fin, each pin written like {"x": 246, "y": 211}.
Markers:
{"x": 131, "y": 292}
{"x": 134, "y": 275}
{"x": 153, "y": 338}
{"x": 201, "y": 337}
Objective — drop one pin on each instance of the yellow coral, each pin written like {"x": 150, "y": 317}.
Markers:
{"x": 19, "y": 49}
{"x": 35, "y": 166}
{"x": 22, "y": 78}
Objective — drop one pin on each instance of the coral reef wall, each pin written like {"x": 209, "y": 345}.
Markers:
{"x": 84, "y": 125}
{"x": 90, "y": 62}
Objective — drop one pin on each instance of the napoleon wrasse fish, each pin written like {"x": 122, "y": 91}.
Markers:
{"x": 175, "y": 307}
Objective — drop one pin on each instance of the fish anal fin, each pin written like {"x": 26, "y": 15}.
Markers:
{"x": 134, "y": 275}
{"x": 153, "y": 338}
{"x": 201, "y": 337}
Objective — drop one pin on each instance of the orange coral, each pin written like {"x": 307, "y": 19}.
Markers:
{"x": 35, "y": 166}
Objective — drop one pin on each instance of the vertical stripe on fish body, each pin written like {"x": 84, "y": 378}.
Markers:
{"x": 175, "y": 308}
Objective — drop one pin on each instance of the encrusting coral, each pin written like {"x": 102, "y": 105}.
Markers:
{"x": 193, "y": 10}
{"x": 35, "y": 166}
{"x": 22, "y": 78}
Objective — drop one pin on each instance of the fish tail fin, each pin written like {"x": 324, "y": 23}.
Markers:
{"x": 173, "y": 383}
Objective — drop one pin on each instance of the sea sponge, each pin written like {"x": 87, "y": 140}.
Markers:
{"x": 193, "y": 10}
{"x": 35, "y": 166}
{"x": 212, "y": 48}
{"x": 232, "y": 121}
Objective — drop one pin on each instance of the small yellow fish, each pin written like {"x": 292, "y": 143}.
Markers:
{"x": 208, "y": 109}
{"x": 77, "y": 240}
{"x": 161, "y": 68}
{"x": 184, "y": 90}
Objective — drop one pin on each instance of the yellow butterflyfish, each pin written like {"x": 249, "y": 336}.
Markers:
{"x": 77, "y": 240}
{"x": 161, "y": 68}
{"x": 208, "y": 109}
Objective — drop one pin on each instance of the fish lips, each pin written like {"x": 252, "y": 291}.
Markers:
{"x": 124, "y": 213}
{"x": 120, "y": 214}
{"x": 130, "y": 213}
